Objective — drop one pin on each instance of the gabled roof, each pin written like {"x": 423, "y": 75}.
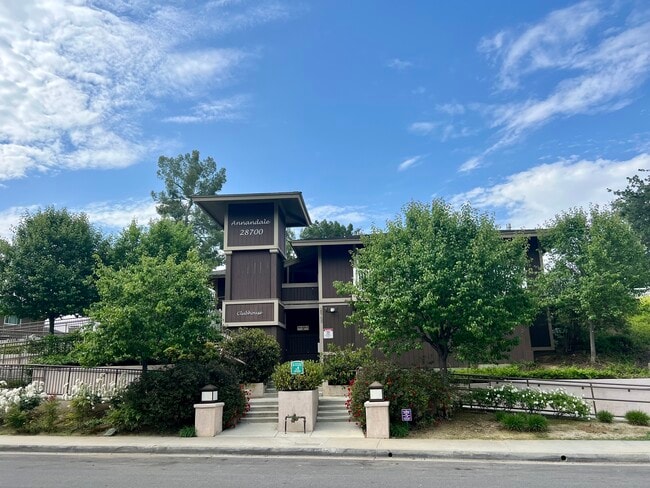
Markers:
{"x": 291, "y": 203}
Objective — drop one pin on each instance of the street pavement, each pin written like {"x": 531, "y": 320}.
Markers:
{"x": 337, "y": 439}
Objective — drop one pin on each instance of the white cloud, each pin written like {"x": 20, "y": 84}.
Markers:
{"x": 595, "y": 76}
{"x": 409, "y": 163}
{"x": 76, "y": 77}
{"x": 423, "y": 128}
{"x": 345, "y": 215}
{"x": 530, "y": 198}
{"x": 470, "y": 164}
{"x": 554, "y": 42}
{"x": 398, "y": 64}
{"x": 225, "y": 109}
{"x": 109, "y": 216}
{"x": 452, "y": 108}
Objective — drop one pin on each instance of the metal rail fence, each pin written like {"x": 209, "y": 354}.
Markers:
{"x": 614, "y": 396}
{"x": 61, "y": 380}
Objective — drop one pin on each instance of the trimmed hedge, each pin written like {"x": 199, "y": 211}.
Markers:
{"x": 340, "y": 363}
{"x": 559, "y": 373}
{"x": 310, "y": 380}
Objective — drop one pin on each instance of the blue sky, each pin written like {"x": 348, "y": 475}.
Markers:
{"x": 523, "y": 109}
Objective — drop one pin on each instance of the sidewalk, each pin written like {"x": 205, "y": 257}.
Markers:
{"x": 337, "y": 440}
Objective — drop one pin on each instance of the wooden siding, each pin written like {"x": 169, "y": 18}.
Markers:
{"x": 250, "y": 275}
{"x": 254, "y": 234}
{"x": 335, "y": 267}
{"x": 249, "y": 312}
{"x": 342, "y": 335}
{"x": 302, "y": 293}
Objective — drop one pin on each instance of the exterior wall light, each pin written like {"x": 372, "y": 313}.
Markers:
{"x": 376, "y": 392}
{"x": 209, "y": 394}
{"x": 331, "y": 310}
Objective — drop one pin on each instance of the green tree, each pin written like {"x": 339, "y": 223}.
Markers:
{"x": 441, "y": 277}
{"x": 148, "y": 308}
{"x": 633, "y": 203}
{"x": 596, "y": 262}
{"x": 325, "y": 229}
{"x": 47, "y": 269}
{"x": 163, "y": 238}
{"x": 184, "y": 176}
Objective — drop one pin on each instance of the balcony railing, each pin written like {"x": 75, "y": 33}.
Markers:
{"x": 299, "y": 292}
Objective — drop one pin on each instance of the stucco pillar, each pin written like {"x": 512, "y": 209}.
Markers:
{"x": 377, "y": 422}
{"x": 208, "y": 419}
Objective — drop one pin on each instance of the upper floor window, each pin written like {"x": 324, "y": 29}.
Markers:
{"x": 11, "y": 320}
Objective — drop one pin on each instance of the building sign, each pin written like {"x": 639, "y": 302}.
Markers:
{"x": 407, "y": 415}
{"x": 297, "y": 367}
{"x": 328, "y": 333}
{"x": 302, "y": 328}
{"x": 249, "y": 312}
{"x": 250, "y": 224}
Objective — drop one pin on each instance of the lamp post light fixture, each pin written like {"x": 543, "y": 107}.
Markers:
{"x": 209, "y": 394}
{"x": 376, "y": 392}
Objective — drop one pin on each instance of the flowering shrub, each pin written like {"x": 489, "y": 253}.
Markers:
{"x": 532, "y": 400}
{"x": 26, "y": 398}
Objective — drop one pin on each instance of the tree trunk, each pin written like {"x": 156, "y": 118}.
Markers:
{"x": 145, "y": 366}
{"x": 51, "y": 319}
{"x": 592, "y": 342}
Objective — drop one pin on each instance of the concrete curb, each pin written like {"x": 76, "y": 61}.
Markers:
{"x": 395, "y": 454}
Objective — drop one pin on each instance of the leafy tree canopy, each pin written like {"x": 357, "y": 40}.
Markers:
{"x": 325, "y": 229}
{"x": 184, "y": 176}
{"x": 596, "y": 262}
{"x": 441, "y": 277}
{"x": 148, "y": 308}
{"x": 633, "y": 203}
{"x": 162, "y": 239}
{"x": 47, "y": 269}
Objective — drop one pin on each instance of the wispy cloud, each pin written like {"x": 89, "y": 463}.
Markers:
{"x": 398, "y": 64}
{"x": 470, "y": 164}
{"x": 595, "y": 76}
{"x": 530, "y": 198}
{"x": 227, "y": 109}
{"x": 344, "y": 214}
{"x": 77, "y": 77}
{"x": 423, "y": 128}
{"x": 409, "y": 163}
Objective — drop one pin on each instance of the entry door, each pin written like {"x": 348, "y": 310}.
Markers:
{"x": 302, "y": 334}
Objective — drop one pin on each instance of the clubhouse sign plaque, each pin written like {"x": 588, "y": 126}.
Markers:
{"x": 249, "y": 312}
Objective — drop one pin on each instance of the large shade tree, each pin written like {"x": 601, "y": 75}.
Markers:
{"x": 47, "y": 269}
{"x": 596, "y": 261}
{"x": 443, "y": 277}
{"x": 149, "y": 308}
{"x": 184, "y": 176}
{"x": 633, "y": 203}
{"x": 326, "y": 229}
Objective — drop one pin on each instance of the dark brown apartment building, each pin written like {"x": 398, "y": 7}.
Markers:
{"x": 293, "y": 297}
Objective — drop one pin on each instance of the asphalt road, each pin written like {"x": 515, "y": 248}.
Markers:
{"x": 159, "y": 471}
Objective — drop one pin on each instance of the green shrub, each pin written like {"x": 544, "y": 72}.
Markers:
{"x": 259, "y": 351}
{"x": 616, "y": 370}
{"x": 187, "y": 431}
{"x": 537, "y": 423}
{"x": 310, "y": 380}
{"x": 85, "y": 407}
{"x": 424, "y": 391}
{"x": 47, "y": 415}
{"x": 55, "y": 349}
{"x": 515, "y": 421}
{"x": 522, "y": 422}
{"x": 605, "y": 417}
{"x": 399, "y": 430}
{"x": 340, "y": 364}
{"x": 163, "y": 400}
{"x": 637, "y": 417}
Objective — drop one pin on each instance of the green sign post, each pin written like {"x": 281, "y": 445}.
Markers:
{"x": 297, "y": 367}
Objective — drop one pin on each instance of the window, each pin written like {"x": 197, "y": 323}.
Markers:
{"x": 11, "y": 320}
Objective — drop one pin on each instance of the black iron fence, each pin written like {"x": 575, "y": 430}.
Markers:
{"x": 615, "y": 396}
{"x": 62, "y": 381}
